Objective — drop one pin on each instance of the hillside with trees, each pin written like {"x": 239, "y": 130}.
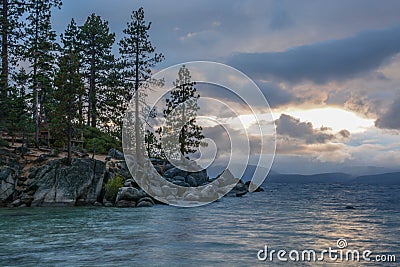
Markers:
{"x": 68, "y": 92}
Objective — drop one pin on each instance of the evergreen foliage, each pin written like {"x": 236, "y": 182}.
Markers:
{"x": 78, "y": 88}
{"x": 68, "y": 88}
{"x": 180, "y": 114}
{"x": 138, "y": 56}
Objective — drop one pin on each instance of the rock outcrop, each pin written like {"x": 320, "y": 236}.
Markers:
{"x": 178, "y": 176}
{"x": 45, "y": 182}
{"x": 56, "y": 184}
{"x": 8, "y": 182}
{"x": 9, "y": 171}
{"x": 129, "y": 195}
{"x": 133, "y": 197}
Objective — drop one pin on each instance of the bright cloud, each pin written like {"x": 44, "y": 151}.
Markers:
{"x": 335, "y": 118}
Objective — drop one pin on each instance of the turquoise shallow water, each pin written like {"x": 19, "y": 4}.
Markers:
{"x": 226, "y": 233}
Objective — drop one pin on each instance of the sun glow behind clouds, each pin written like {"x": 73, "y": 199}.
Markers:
{"x": 335, "y": 118}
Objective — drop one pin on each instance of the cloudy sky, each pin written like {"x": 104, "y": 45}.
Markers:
{"x": 329, "y": 69}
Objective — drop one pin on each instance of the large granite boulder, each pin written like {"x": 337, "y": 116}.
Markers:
{"x": 8, "y": 182}
{"x": 130, "y": 193}
{"x": 191, "y": 181}
{"x": 185, "y": 178}
{"x": 201, "y": 177}
{"x": 128, "y": 197}
{"x": 175, "y": 172}
{"x": 145, "y": 202}
{"x": 56, "y": 184}
{"x": 9, "y": 171}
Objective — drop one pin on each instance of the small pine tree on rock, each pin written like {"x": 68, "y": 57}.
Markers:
{"x": 180, "y": 114}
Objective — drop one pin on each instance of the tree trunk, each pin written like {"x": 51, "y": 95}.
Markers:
{"x": 137, "y": 119}
{"x": 92, "y": 93}
{"x": 89, "y": 114}
{"x": 183, "y": 130}
{"x": 80, "y": 107}
{"x": 42, "y": 110}
{"x": 94, "y": 109}
{"x": 69, "y": 145}
{"x": 182, "y": 141}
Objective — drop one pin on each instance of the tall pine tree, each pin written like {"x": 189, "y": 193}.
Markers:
{"x": 41, "y": 53}
{"x": 138, "y": 57}
{"x": 71, "y": 43}
{"x": 19, "y": 114}
{"x": 11, "y": 28}
{"x": 180, "y": 113}
{"x": 70, "y": 38}
{"x": 98, "y": 62}
{"x": 69, "y": 87}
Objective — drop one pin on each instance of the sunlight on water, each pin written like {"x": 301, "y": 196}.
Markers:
{"x": 226, "y": 233}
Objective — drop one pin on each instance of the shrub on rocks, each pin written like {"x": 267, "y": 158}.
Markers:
{"x": 112, "y": 186}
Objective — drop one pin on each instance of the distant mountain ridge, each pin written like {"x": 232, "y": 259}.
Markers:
{"x": 315, "y": 178}
{"x": 386, "y": 179}
{"x": 367, "y": 170}
{"x": 343, "y": 177}
{"x": 340, "y": 178}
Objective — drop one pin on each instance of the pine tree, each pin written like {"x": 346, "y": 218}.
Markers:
{"x": 153, "y": 143}
{"x": 19, "y": 116}
{"x": 11, "y": 28}
{"x": 96, "y": 43}
{"x": 138, "y": 57}
{"x": 72, "y": 44}
{"x": 41, "y": 53}
{"x": 114, "y": 103}
{"x": 69, "y": 86}
{"x": 180, "y": 114}
{"x": 70, "y": 38}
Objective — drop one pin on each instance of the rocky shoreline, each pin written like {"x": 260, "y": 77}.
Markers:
{"x": 46, "y": 181}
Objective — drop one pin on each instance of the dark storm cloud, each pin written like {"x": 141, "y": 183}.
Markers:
{"x": 213, "y": 30}
{"x": 275, "y": 95}
{"x": 390, "y": 119}
{"x": 323, "y": 61}
{"x": 289, "y": 126}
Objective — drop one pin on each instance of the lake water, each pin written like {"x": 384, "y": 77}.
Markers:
{"x": 226, "y": 233}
